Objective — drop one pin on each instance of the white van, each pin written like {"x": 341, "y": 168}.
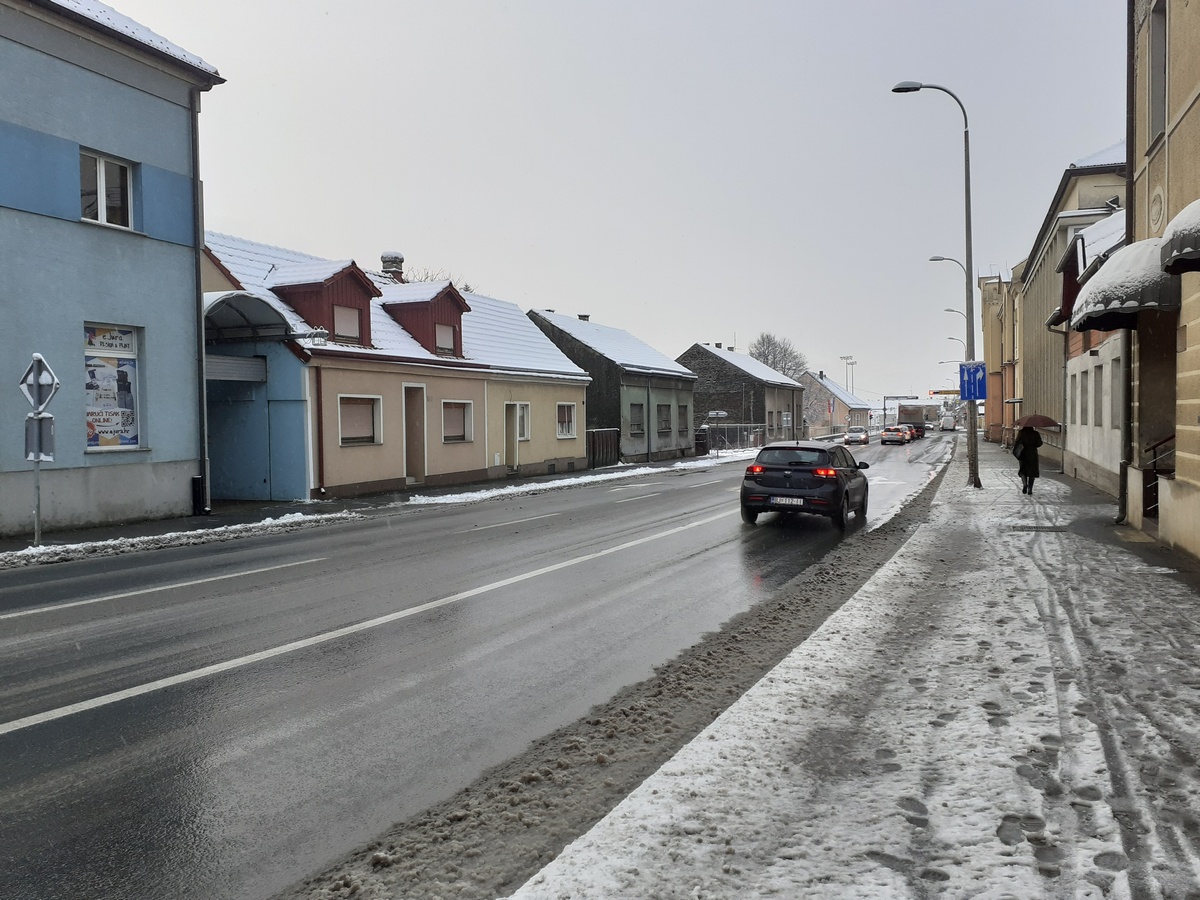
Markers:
{"x": 947, "y": 424}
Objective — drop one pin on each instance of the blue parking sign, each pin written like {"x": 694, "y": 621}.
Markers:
{"x": 972, "y": 381}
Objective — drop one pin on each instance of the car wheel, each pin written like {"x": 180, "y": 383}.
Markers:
{"x": 862, "y": 507}
{"x": 842, "y": 513}
{"x": 749, "y": 516}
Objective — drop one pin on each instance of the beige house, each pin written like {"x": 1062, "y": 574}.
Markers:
{"x": 328, "y": 380}
{"x": 1090, "y": 189}
{"x": 1148, "y": 292}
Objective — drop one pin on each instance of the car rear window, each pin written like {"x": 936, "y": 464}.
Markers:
{"x": 796, "y": 456}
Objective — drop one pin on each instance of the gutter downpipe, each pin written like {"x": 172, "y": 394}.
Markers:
{"x": 202, "y": 499}
{"x": 1126, "y": 335}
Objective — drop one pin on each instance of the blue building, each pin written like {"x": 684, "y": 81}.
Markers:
{"x": 101, "y": 236}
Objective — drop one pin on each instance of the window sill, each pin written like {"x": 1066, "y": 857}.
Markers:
{"x": 109, "y": 225}
{"x": 88, "y": 450}
{"x": 456, "y": 441}
{"x": 361, "y": 444}
{"x": 567, "y": 437}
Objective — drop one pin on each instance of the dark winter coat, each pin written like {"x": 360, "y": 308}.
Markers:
{"x": 1025, "y": 449}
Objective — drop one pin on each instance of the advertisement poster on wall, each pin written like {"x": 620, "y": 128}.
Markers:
{"x": 111, "y": 389}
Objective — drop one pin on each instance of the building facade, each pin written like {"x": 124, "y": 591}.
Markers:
{"x": 634, "y": 388}
{"x": 749, "y": 393}
{"x": 100, "y": 225}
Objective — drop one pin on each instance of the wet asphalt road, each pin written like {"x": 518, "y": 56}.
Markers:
{"x": 469, "y": 632}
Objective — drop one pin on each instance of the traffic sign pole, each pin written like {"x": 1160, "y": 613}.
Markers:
{"x": 39, "y": 384}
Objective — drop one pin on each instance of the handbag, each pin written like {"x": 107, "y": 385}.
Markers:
{"x": 1018, "y": 449}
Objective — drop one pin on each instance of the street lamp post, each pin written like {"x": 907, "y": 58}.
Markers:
{"x": 852, "y": 363}
{"x": 849, "y": 361}
{"x": 908, "y": 87}
{"x": 960, "y": 340}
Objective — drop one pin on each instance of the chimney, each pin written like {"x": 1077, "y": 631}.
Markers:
{"x": 583, "y": 317}
{"x": 821, "y": 375}
{"x": 393, "y": 264}
{"x": 718, "y": 345}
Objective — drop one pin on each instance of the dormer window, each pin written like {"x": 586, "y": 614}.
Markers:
{"x": 445, "y": 340}
{"x": 347, "y": 325}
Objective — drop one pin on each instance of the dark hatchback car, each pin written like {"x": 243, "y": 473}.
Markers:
{"x": 808, "y": 477}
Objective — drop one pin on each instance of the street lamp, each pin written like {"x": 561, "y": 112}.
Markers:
{"x": 852, "y": 363}
{"x": 849, "y": 361}
{"x": 909, "y": 87}
{"x": 958, "y": 311}
{"x": 960, "y": 340}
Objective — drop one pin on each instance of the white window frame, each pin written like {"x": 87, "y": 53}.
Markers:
{"x": 468, "y": 422}
{"x": 1085, "y": 396}
{"x": 108, "y": 350}
{"x": 558, "y": 424}
{"x": 524, "y": 421}
{"x": 101, "y": 162}
{"x": 376, "y": 421}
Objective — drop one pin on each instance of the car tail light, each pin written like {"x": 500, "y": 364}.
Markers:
{"x": 755, "y": 470}
{"x": 825, "y": 473}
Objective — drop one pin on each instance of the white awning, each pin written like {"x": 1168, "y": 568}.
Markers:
{"x": 233, "y": 315}
{"x": 1130, "y": 282}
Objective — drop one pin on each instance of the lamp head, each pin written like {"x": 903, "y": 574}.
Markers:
{"x": 907, "y": 87}
{"x": 937, "y": 259}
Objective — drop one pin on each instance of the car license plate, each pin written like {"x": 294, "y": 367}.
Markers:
{"x": 787, "y": 501}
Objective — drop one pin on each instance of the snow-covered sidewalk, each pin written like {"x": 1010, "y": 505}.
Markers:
{"x": 1008, "y": 708}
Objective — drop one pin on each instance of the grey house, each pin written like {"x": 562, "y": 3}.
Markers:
{"x": 751, "y": 394}
{"x": 100, "y": 229}
{"x": 634, "y": 388}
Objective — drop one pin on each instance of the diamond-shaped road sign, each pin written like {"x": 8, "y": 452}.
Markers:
{"x": 39, "y": 384}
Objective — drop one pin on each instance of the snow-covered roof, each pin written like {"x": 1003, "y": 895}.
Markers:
{"x": 847, "y": 398}
{"x": 308, "y": 272}
{"x": 495, "y": 333}
{"x": 108, "y": 19}
{"x": 415, "y": 292}
{"x": 619, "y": 346}
{"x": 499, "y": 334}
{"x": 751, "y": 366}
{"x": 1100, "y": 239}
{"x": 1109, "y": 156}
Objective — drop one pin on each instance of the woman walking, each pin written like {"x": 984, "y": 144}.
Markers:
{"x": 1025, "y": 449}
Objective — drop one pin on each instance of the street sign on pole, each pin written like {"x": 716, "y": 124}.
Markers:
{"x": 972, "y": 378}
{"x": 39, "y": 384}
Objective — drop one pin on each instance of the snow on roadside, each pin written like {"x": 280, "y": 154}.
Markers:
{"x": 55, "y": 553}
{"x": 624, "y": 470}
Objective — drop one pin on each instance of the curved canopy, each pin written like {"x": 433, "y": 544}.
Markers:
{"x": 1131, "y": 282}
{"x": 237, "y": 315}
{"x": 1181, "y": 241}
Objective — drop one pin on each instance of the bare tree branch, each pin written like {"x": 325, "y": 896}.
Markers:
{"x": 780, "y": 354}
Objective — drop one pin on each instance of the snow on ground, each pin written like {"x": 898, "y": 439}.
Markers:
{"x": 53, "y": 553}
{"x": 1006, "y": 709}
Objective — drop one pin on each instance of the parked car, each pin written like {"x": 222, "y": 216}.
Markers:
{"x": 808, "y": 477}
{"x": 856, "y": 434}
{"x": 893, "y": 434}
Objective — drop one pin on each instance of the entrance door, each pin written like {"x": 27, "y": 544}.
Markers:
{"x": 414, "y": 434}
{"x": 510, "y": 436}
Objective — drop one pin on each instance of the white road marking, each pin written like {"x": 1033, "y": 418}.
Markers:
{"x": 639, "y": 497}
{"x": 704, "y": 483}
{"x": 217, "y": 668}
{"x": 502, "y": 524}
{"x": 634, "y": 487}
{"x": 152, "y": 590}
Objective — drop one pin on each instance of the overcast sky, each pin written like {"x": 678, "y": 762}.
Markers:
{"x": 688, "y": 171}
